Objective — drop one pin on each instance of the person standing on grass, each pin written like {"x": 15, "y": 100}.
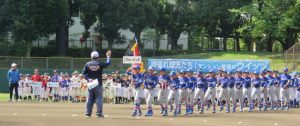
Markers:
{"x": 13, "y": 76}
{"x": 93, "y": 71}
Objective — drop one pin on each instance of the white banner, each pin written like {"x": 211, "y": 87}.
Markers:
{"x": 75, "y": 84}
{"x": 131, "y": 59}
{"x": 53, "y": 84}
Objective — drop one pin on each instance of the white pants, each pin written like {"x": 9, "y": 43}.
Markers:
{"x": 137, "y": 95}
{"x": 199, "y": 93}
{"x": 163, "y": 97}
{"x": 173, "y": 94}
{"x": 64, "y": 92}
{"x": 190, "y": 96}
{"x": 211, "y": 92}
{"x": 127, "y": 93}
{"x": 256, "y": 93}
{"x": 264, "y": 92}
{"x": 183, "y": 96}
{"x": 223, "y": 95}
{"x": 231, "y": 95}
{"x": 272, "y": 94}
{"x": 284, "y": 95}
{"x": 45, "y": 92}
{"x": 55, "y": 91}
{"x": 26, "y": 91}
{"x": 247, "y": 94}
{"x": 277, "y": 93}
{"x": 149, "y": 97}
{"x": 298, "y": 96}
{"x": 292, "y": 93}
{"x": 239, "y": 95}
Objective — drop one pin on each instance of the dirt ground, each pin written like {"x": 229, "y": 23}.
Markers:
{"x": 70, "y": 114}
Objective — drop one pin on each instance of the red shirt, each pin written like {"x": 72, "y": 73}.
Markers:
{"x": 36, "y": 78}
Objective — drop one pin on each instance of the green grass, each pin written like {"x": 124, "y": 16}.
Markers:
{"x": 4, "y": 97}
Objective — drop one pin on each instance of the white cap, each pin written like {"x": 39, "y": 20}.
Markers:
{"x": 94, "y": 54}
{"x": 13, "y": 64}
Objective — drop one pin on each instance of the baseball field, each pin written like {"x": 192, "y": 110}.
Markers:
{"x": 69, "y": 114}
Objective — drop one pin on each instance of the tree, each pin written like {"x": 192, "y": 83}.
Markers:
{"x": 141, "y": 14}
{"x": 29, "y": 20}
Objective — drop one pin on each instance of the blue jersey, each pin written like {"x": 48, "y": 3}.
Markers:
{"x": 191, "y": 82}
{"x": 201, "y": 82}
{"x": 284, "y": 78}
{"x": 174, "y": 83}
{"x": 256, "y": 82}
{"x": 270, "y": 80}
{"x": 298, "y": 85}
{"x": 211, "y": 82}
{"x": 276, "y": 81}
{"x": 54, "y": 78}
{"x": 64, "y": 84}
{"x": 247, "y": 82}
{"x": 164, "y": 80}
{"x": 238, "y": 82}
{"x": 138, "y": 80}
{"x": 264, "y": 82}
{"x": 183, "y": 81}
{"x": 224, "y": 82}
{"x": 150, "y": 81}
{"x": 294, "y": 82}
{"x": 231, "y": 81}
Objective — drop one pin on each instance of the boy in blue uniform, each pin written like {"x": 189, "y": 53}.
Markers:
{"x": 285, "y": 80}
{"x": 239, "y": 80}
{"x": 263, "y": 87}
{"x": 231, "y": 91}
{"x": 224, "y": 91}
{"x": 200, "y": 90}
{"x": 150, "y": 83}
{"x": 191, "y": 87}
{"x": 173, "y": 95}
{"x": 256, "y": 82}
{"x": 137, "y": 81}
{"x": 183, "y": 92}
{"x": 211, "y": 91}
{"x": 277, "y": 88}
{"x": 246, "y": 87}
{"x": 271, "y": 89}
{"x": 164, "y": 81}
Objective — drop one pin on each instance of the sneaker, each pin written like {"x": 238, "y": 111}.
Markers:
{"x": 227, "y": 110}
{"x": 201, "y": 111}
{"x": 233, "y": 109}
{"x": 259, "y": 108}
{"x": 282, "y": 108}
{"x": 165, "y": 113}
{"x": 175, "y": 113}
{"x": 178, "y": 111}
{"x": 88, "y": 116}
{"x": 250, "y": 110}
{"x": 198, "y": 107}
{"x": 148, "y": 113}
{"x": 241, "y": 109}
{"x": 208, "y": 106}
{"x": 134, "y": 113}
{"x": 221, "y": 108}
{"x": 139, "y": 113}
{"x": 99, "y": 116}
{"x": 272, "y": 108}
{"x": 287, "y": 108}
{"x": 265, "y": 108}
{"x": 214, "y": 110}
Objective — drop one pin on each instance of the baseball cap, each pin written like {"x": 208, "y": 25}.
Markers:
{"x": 199, "y": 72}
{"x": 211, "y": 71}
{"x": 136, "y": 67}
{"x": 13, "y": 64}
{"x": 94, "y": 54}
{"x": 190, "y": 70}
{"x": 150, "y": 68}
{"x": 285, "y": 69}
{"x": 162, "y": 69}
{"x": 172, "y": 73}
{"x": 182, "y": 71}
{"x": 228, "y": 72}
{"x": 256, "y": 72}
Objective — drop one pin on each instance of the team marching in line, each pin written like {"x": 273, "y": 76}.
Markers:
{"x": 262, "y": 90}
{"x": 226, "y": 89}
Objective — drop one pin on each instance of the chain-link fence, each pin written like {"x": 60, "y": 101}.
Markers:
{"x": 56, "y": 63}
{"x": 292, "y": 57}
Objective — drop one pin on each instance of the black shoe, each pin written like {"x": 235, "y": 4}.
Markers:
{"x": 88, "y": 115}
{"x": 99, "y": 116}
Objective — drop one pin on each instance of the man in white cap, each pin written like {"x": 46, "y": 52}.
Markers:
{"x": 92, "y": 71}
{"x": 13, "y": 76}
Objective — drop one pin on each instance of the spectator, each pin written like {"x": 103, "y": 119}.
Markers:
{"x": 13, "y": 76}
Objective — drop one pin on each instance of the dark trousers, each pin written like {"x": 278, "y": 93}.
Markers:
{"x": 95, "y": 95}
{"x": 13, "y": 86}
